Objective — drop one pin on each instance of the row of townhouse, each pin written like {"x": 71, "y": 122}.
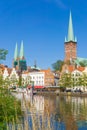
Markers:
{"x": 42, "y": 77}
{"x": 39, "y": 78}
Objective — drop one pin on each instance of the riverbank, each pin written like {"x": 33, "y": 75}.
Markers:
{"x": 76, "y": 94}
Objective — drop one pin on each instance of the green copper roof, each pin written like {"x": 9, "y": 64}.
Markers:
{"x": 22, "y": 50}
{"x": 70, "y": 30}
{"x": 37, "y": 68}
{"x": 79, "y": 60}
{"x": 16, "y": 52}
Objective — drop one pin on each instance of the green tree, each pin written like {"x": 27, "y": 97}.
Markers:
{"x": 83, "y": 63}
{"x": 26, "y": 81}
{"x": 58, "y": 65}
{"x": 66, "y": 80}
{"x": 3, "y": 54}
{"x": 83, "y": 81}
{"x": 1, "y": 81}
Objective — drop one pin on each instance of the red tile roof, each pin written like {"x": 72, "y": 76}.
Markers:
{"x": 81, "y": 68}
{"x": 71, "y": 68}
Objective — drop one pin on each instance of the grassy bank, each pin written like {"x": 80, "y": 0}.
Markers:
{"x": 10, "y": 109}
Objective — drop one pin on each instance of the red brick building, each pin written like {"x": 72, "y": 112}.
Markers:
{"x": 49, "y": 77}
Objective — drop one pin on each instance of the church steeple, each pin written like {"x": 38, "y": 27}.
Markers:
{"x": 70, "y": 30}
{"x": 19, "y": 61}
{"x": 70, "y": 43}
{"x": 16, "y": 52}
{"x": 22, "y": 50}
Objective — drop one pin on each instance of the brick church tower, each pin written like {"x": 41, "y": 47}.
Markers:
{"x": 70, "y": 43}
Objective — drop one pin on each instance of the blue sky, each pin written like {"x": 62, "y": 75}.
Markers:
{"x": 42, "y": 25}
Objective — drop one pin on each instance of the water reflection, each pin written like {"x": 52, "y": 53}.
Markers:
{"x": 73, "y": 111}
{"x": 55, "y": 112}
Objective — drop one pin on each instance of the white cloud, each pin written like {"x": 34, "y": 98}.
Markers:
{"x": 59, "y": 3}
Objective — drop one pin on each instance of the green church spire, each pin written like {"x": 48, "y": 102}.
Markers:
{"x": 22, "y": 50}
{"x": 16, "y": 52}
{"x": 70, "y": 31}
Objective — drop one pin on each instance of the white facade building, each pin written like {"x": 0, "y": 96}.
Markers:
{"x": 37, "y": 78}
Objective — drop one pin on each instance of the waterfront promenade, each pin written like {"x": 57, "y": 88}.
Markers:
{"x": 63, "y": 94}
{"x": 50, "y": 91}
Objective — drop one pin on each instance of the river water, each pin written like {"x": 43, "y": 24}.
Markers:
{"x": 55, "y": 112}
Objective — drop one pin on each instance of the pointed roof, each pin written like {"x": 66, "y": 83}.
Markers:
{"x": 22, "y": 50}
{"x": 70, "y": 31}
{"x": 16, "y": 52}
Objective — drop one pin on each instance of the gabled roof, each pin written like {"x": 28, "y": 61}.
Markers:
{"x": 72, "y": 68}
